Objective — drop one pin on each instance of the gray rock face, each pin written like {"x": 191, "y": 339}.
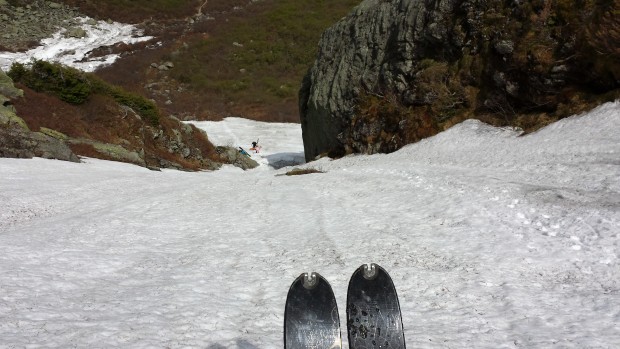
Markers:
{"x": 396, "y": 71}
{"x": 19, "y": 143}
{"x": 375, "y": 46}
{"x": 7, "y": 88}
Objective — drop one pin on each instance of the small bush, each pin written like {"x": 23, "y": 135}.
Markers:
{"x": 141, "y": 105}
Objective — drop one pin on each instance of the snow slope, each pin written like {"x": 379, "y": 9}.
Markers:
{"x": 493, "y": 241}
{"x": 281, "y": 143}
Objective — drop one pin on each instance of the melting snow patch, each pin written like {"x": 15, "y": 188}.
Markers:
{"x": 74, "y": 52}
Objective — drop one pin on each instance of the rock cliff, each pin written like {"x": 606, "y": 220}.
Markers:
{"x": 393, "y": 72}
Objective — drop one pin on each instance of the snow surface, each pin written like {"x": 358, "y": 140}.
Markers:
{"x": 74, "y": 52}
{"x": 282, "y": 146}
{"x": 493, "y": 241}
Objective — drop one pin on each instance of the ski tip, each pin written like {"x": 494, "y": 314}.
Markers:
{"x": 370, "y": 271}
{"x": 310, "y": 280}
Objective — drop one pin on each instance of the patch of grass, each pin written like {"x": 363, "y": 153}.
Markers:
{"x": 139, "y": 104}
{"x": 263, "y": 56}
{"x": 134, "y": 11}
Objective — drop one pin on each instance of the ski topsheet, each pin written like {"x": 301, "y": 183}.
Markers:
{"x": 373, "y": 311}
{"x": 311, "y": 315}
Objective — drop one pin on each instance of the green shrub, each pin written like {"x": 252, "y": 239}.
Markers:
{"x": 144, "y": 107}
{"x": 17, "y": 71}
{"x": 68, "y": 84}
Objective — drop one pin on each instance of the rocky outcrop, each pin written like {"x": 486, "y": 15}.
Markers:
{"x": 393, "y": 72}
{"x": 232, "y": 156}
{"x": 102, "y": 129}
{"x": 16, "y": 140}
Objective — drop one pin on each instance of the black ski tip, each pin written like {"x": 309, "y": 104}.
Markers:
{"x": 311, "y": 314}
{"x": 373, "y": 312}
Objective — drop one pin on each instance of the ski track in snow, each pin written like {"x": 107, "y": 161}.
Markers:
{"x": 492, "y": 240}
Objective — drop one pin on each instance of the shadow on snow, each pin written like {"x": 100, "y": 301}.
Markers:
{"x": 280, "y": 160}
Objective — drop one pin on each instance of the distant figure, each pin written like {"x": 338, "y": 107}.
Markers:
{"x": 255, "y": 147}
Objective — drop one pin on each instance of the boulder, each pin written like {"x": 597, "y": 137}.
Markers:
{"x": 393, "y": 72}
{"x": 232, "y": 156}
{"x": 75, "y": 32}
{"x": 15, "y": 142}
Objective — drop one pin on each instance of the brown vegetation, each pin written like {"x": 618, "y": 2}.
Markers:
{"x": 102, "y": 120}
{"x": 137, "y": 11}
{"x": 212, "y": 77}
{"x": 302, "y": 171}
{"x": 382, "y": 124}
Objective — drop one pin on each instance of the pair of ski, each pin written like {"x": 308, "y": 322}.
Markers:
{"x": 374, "y": 320}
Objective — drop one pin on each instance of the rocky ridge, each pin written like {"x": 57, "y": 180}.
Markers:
{"x": 67, "y": 131}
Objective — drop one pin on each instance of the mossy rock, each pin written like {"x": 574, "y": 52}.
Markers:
{"x": 108, "y": 151}
{"x": 8, "y": 118}
{"x": 53, "y": 133}
{"x": 117, "y": 152}
{"x": 7, "y": 89}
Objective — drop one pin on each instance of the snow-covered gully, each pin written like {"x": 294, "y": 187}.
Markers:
{"x": 493, "y": 241}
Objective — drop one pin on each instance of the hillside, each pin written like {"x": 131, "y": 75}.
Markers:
{"x": 189, "y": 70}
{"x": 243, "y": 58}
